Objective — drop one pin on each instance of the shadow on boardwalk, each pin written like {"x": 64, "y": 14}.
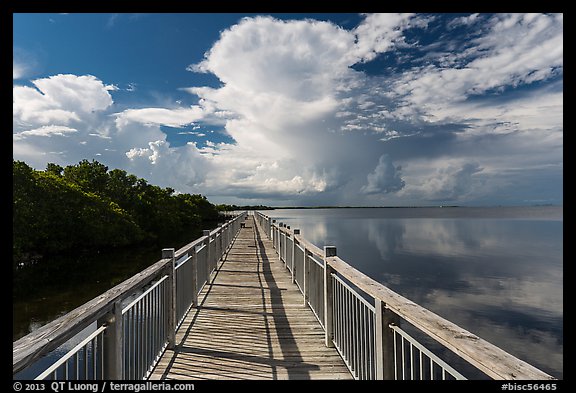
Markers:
{"x": 251, "y": 324}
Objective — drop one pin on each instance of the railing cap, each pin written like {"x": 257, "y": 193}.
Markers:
{"x": 329, "y": 251}
{"x": 38, "y": 343}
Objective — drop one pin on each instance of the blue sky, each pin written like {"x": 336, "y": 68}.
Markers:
{"x": 297, "y": 109}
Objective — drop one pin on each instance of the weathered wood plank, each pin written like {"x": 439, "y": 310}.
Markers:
{"x": 251, "y": 324}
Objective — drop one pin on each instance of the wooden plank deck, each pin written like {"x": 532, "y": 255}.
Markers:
{"x": 251, "y": 324}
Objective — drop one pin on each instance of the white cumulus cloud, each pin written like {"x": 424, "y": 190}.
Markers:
{"x": 59, "y": 99}
{"x": 306, "y": 126}
{"x": 384, "y": 179}
{"x": 46, "y": 131}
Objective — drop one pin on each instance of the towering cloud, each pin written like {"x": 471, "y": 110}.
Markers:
{"x": 316, "y": 113}
{"x": 385, "y": 178}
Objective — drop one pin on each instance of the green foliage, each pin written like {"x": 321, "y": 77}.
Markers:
{"x": 85, "y": 206}
{"x": 228, "y": 208}
{"x": 90, "y": 176}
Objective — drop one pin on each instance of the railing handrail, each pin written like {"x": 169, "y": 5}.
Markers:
{"x": 33, "y": 346}
{"x": 490, "y": 359}
{"x": 487, "y": 357}
{"x": 314, "y": 249}
{"x": 50, "y": 336}
{"x": 186, "y": 248}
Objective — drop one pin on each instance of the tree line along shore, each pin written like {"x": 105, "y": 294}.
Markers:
{"x": 89, "y": 207}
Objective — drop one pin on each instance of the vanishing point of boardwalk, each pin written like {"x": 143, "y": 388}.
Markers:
{"x": 249, "y": 320}
{"x": 251, "y": 324}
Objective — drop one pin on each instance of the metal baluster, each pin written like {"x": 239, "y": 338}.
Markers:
{"x": 365, "y": 361}
{"x": 411, "y": 362}
{"x": 93, "y": 358}
{"x": 102, "y": 355}
{"x": 403, "y": 360}
{"x": 135, "y": 342}
{"x": 136, "y": 349}
{"x": 395, "y": 358}
{"x": 363, "y": 357}
{"x": 421, "y": 369}
{"x": 340, "y": 313}
{"x": 348, "y": 329}
{"x": 355, "y": 335}
{"x": 363, "y": 341}
{"x": 130, "y": 347}
{"x": 144, "y": 338}
{"x": 150, "y": 335}
{"x": 144, "y": 322}
{"x": 345, "y": 320}
{"x": 158, "y": 312}
{"x": 154, "y": 348}
{"x": 372, "y": 354}
{"x": 369, "y": 345}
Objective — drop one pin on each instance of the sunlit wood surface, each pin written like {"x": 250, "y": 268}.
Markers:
{"x": 251, "y": 324}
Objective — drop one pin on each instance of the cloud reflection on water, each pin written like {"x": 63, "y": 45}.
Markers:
{"x": 499, "y": 278}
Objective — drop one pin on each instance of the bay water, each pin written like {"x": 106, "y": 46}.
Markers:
{"x": 495, "y": 271}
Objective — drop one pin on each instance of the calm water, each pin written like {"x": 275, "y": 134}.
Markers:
{"x": 497, "y": 272}
{"x": 49, "y": 294}
{"x": 494, "y": 271}
{"x": 59, "y": 284}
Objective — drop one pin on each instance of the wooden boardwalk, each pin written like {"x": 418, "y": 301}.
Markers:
{"x": 251, "y": 324}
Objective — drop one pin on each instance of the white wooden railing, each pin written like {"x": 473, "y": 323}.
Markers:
{"x": 368, "y": 322}
{"x": 135, "y": 321}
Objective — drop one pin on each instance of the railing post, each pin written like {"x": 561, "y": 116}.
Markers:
{"x": 269, "y": 227}
{"x": 329, "y": 251}
{"x": 227, "y": 238}
{"x": 114, "y": 344}
{"x": 305, "y": 274}
{"x": 206, "y": 232}
{"x": 280, "y": 225}
{"x": 274, "y": 235}
{"x": 286, "y": 262}
{"x": 222, "y": 240}
{"x": 220, "y": 252}
{"x": 296, "y": 232}
{"x": 230, "y": 233}
{"x": 384, "y": 341}
{"x": 194, "y": 283}
{"x": 171, "y": 301}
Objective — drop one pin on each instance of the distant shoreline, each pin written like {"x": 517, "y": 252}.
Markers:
{"x": 402, "y": 207}
{"x": 357, "y": 207}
